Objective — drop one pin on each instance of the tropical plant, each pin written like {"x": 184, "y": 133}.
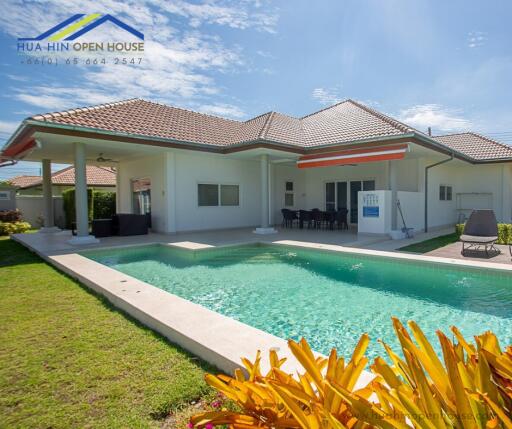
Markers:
{"x": 470, "y": 388}
{"x": 7, "y": 228}
{"x": 278, "y": 400}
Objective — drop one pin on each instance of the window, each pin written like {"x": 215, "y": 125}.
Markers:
{"x": 288, "y": 195}
{"x": 229, "y": 195}
{"x": 209, "y": 195}
{"x": 141, "y": 195}
{"x": 445, "y": 193}
{"x": 5, "y": 195}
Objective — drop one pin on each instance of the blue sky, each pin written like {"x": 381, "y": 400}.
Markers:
{"x": 444, "y": 64}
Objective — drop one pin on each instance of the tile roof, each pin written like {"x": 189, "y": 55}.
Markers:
{"x": 96, "y": 176}
{"x": 345, "y": 122}
{"x": 476, "y": 146}
{"x": 24, "y": 181}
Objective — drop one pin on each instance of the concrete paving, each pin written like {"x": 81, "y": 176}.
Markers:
{"x": 453, "y": 251}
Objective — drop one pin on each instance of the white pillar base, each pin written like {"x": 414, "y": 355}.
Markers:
{"x": 84, "y": 239}
{"x": 263, "y": 231}
{"x": 49, "y": 230}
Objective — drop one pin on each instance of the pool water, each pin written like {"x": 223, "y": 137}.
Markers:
{"x": 329, "y": 298}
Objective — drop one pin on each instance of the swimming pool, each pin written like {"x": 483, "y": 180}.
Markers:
{"x": 330, "y": 298}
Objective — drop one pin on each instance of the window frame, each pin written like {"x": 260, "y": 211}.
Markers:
{"x": 445, "y": 191}
{"x": 287, "y": 192}
{"x": 132, "y": 182}
{"x": 219, "y": 194}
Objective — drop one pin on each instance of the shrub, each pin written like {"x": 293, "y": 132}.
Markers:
{"x": 101, "y": 205}
{"x": 10, "y": 216}
{"x": 104, "y": 204}
{"x": 471, "y": 387}
{"x": 504, "y": 232}
{"x": 68, "y": 199}
{"x": 7, "y": 228}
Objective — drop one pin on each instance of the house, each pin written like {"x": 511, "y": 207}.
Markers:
{"x": 100, "y": 178}
{"x": 197, "y": 172}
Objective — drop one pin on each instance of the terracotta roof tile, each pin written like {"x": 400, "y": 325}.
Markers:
{"x": 24, "y": 181}
{"x": 476, "y": 146}
{"x": 96, "y": 176}
{"x": 345, "y": 122}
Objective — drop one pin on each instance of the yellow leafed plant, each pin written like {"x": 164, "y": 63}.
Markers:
{"x": 469, "y": 388}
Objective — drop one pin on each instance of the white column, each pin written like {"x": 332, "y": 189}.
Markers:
{"x": 392, "y": 180}
{"x": 170, "y": 191}
{"x": 81, "y": 209}
{"x": 49, "y": 224}
{"x": 265, "y": 227}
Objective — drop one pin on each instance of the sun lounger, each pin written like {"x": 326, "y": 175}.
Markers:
{"x": 481, "y": 230}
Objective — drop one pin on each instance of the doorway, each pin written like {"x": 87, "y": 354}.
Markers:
{"x": 335, "y": 196}
{"x": 355, "y": 187}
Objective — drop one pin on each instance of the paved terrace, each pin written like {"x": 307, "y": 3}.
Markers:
{"x": 57, "y": 243}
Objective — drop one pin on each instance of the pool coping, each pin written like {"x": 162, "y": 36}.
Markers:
{"x": 213, "y": 337}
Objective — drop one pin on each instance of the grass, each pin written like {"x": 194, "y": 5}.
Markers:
{"x": 69, "y": 359}
{"x": 431, "y": 244}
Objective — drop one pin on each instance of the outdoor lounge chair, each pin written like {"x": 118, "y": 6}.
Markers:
{"x": 481, "y": 230}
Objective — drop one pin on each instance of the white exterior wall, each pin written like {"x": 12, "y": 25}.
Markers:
{"x": 281, "y": 175}
{"x": 174, "y": 178}
{"x": 175, "y": 174}
{"x": 193, "y": 168}
{"x": 465, "y": 178}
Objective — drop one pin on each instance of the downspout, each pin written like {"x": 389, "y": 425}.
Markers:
{"x": 427, "y": 168}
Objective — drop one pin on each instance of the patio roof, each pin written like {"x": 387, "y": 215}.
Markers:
{"x": 343, "y": 124}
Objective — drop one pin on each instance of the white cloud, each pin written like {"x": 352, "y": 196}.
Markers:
{"x": 435, "y": 116}
{"x": 476, "y": 39}
{"x": 179, "y": 63}
{"x": 8, "y": 127}
{"x": 326, "y": 95}
{"x": 221, "y": 109}
{"x": 242, "y": 15}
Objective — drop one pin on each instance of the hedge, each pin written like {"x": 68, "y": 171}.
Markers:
{"x": 504, "y": 232}
{"x": 101, "y": 205}
{"x": 104, "y": 204}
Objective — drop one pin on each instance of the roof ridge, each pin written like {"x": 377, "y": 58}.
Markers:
{"x": 264, "y": 129}
{"x": 390, "y": 120}
{"x": 81, "y": 109}
{"x": 69, "y": 167}
{"x": 489, "y": 139}
{"x": 474, "y": 133}
{"x": 325, "y": 108}
{"x": 256, "y": 117}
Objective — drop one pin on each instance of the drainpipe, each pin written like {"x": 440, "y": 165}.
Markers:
{"x": 427, "y": 168}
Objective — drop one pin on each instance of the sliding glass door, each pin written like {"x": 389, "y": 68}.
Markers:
{"x": 355, "y": 187}
{"x": 335, "y": 195}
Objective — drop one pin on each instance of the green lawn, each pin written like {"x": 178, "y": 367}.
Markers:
{"x": 69, "y": 359}
{"x": 432, "y": 244}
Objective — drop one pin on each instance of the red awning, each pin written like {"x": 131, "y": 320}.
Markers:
{"x": 354, "y": 156}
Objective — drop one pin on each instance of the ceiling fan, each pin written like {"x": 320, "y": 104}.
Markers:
{"x": 101, "y": 158}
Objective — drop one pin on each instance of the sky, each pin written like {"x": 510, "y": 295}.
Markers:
{"x": 430, "y": 63}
